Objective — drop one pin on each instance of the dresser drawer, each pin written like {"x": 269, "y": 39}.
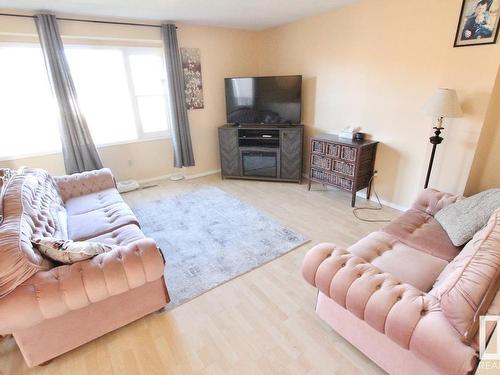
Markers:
{"x": 348, "y": 153}
{"x": 318, "y": 175}
{"x": 344, "y": 167}
{"x": 333, "y": 150}
{"x": 345, "y": 183}
{"x": 321, "y": 162}
{"x": 318, "y": 147}
{"x": 332, "y": 179}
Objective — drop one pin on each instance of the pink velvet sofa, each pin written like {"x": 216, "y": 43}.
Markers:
{"x": 405, "y": 296}
{"x": 52, "y": 309}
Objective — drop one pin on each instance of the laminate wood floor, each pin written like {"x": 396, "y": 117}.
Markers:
{"x": 262, "y": 322}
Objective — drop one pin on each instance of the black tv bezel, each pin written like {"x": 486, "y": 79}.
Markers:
{"x": 264, "y": 123}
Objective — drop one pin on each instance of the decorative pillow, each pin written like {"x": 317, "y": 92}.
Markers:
{"x": 463, "y": 219}
{"x": 67, "y": 251}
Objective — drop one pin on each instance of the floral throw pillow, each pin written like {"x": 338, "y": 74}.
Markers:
{"x": 67, "y": 251}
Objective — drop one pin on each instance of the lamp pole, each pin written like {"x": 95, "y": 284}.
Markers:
{"x": 435, "y": 140}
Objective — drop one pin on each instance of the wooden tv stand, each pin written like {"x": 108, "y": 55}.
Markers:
{"x": 261, "y": 152}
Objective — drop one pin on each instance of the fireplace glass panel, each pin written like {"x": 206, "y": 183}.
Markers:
{"x": 259, "y": 163}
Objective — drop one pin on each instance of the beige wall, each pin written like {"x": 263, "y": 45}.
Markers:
{"x": 485, "y": 172}
{"x": 135, "y": 160}
{"x": 373, "y": 64}
{"x": 224, "y": 52}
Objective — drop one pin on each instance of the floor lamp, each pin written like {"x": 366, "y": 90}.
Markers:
{"x": 444, "y": 103}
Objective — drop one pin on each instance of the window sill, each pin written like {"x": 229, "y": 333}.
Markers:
{"x": 105, "y": 145}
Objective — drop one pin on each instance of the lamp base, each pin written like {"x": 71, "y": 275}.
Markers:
{"x": 435, "y": 140}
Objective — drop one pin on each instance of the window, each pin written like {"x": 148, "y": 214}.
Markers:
{"x": 148, "y": 80}
{"x": 120, "y": 90}
{"x": 28, "y": 112}
{"x": 101, "y": 84}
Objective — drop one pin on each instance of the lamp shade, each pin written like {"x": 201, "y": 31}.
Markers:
{"x": 444, "y": 103}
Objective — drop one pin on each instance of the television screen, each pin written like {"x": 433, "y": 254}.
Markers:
{"x": 263, "y": 100}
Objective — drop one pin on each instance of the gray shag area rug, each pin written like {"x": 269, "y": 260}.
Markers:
{"x": 209, "y": 237}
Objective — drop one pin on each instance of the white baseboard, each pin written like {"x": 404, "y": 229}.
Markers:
{"x": 203, "y": 174}
{"x": 362, "y": 194}
{"x": 154, "y": 179}
{"x": 167, "y": 176}
{"x": 384, "y": 202}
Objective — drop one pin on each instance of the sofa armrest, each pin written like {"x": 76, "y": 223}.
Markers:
{"x": 378, "y": 298}
{"x": 53, "y": 293}
{"x": 431, "y": 201}
{"x": 436, "y": 341}
{"x": 75, "y": 185}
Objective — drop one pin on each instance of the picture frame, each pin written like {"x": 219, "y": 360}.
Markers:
{"x": 478, "y": 23}
{"x": 193, "y": 82}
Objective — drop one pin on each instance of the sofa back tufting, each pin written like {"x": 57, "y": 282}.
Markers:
{"x": 32, "y": 207}
{"x": 471, "y": 278}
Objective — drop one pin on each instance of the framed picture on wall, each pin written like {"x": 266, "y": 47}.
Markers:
{"x": 478, "y": 23}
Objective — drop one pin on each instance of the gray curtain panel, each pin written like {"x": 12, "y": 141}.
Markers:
{"x": 79, "y": 151}
{"x": 181, "y": 137}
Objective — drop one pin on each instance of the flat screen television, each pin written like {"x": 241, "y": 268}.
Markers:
{"x": 264, "y": 100}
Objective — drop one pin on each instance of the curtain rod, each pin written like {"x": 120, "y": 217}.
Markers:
{"x": 84, "y": 20}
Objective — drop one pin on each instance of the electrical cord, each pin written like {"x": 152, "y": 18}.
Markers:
{"x": 379, "y": 208}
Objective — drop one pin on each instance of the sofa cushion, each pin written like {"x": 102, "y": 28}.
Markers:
{"x": 32, "y": 208}
{"x": 121, "y": 236}
{"x": 405, "y": 263}
{"x": 463, "y": 219}
{"x": 91, "y": 202}
{"x": 421, "y": 231}
{"x": 463, "y": 289}
{"x": 95, "y": 223}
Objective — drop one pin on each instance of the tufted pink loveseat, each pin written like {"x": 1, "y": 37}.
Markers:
{"x": 52, "y": 309}
{"x": 405, "y": 296}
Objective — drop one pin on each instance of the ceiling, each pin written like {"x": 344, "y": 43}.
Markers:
{"x": 245, "y": 14}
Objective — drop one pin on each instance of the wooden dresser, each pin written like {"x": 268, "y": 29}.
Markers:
{"x": 342, "y": 163}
